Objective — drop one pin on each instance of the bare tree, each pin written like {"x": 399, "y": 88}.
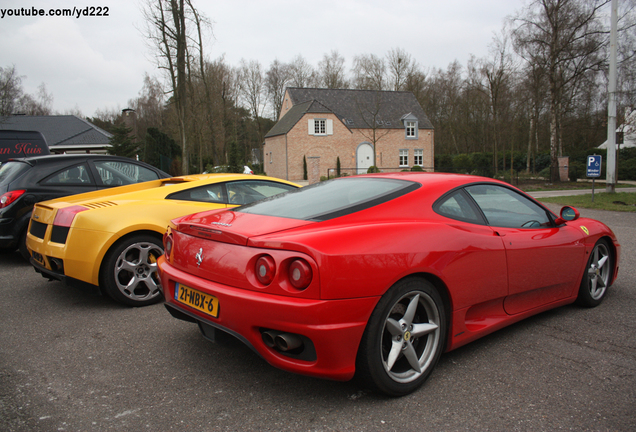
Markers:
{"x": 10, "y": 90}
{"x": 332, "y": 73}
{"x": 40, "y": 104}
{"x": 533, "y": 90}
{"x": 166, "y": 29}
{"x": 276, "y": 79}
{"x": 626, "y": 86}
{"x": 495, "y": 76}
{"x": 149, "y": 105}
{"x": 370, "y": 110}
{"x": 416, "y": 83}
{"x": 202, "y": 24}
{"x": 450, "y": 87}
{"x": 566, "y": 38}
{"x": 369, "y": 72}
{"x": 302, "y": 73}
{"x": 400, "y": 66}
{"x": 252, "y": 90}
{"x": 14, "y": 100}
{"x": 225, "y": 93}
{"x": 106, "y": 117}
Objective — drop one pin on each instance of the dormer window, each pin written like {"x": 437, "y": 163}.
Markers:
{"x": 411, "y": 129}
{"x": 410, "y": 123}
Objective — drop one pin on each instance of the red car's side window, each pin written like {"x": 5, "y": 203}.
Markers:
{"x": 504, "y": 207}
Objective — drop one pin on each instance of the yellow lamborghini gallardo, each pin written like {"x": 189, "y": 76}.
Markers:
{"x": 110, "y": 239}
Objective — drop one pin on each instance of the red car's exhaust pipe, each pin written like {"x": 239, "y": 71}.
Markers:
{"x": 287, "y": 341}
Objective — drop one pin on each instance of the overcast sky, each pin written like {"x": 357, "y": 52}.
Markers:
{"x": 91, "y": 63}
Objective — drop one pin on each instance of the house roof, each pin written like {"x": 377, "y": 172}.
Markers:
{"x": 355, "y": 108}
{"x": 629, "y": 132}
{"x": 288, "y": 121}
{"x": 62, "y": 132}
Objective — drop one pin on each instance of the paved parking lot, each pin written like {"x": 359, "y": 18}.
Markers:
{"x": 73, "y": 362}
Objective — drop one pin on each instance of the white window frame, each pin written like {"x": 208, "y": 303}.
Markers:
{"x": 410, "y": 129}
{"x": 314, "y": 128}
{"x": 404, "y": 158}
{"x": 320, "y": 126}
{"x": 418, "y": 154}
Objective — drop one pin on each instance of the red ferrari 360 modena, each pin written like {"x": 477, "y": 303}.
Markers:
{"x": 377, "y": 275}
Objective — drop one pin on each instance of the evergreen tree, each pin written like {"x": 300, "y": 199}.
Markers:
{"x": 234, "y": 158}
{"x": 121, "y": 142}
{"x": 159, "y": 149}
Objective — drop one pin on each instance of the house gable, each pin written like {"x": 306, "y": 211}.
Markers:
{"x": 295, "y": 114}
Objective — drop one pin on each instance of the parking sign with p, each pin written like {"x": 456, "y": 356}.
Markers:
{"x": 594, "y": 166}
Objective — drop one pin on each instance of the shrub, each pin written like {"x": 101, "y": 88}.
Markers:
{"x": 417, "y": 168}
{"x": 444, "y": 163}
{"x": 373, "y": 169}
{"x": 626, "y": 153}
{"x": 482, "y": 164}
{"x": 627, "y": 169}
{"x": 543, "y": 161}
{"x": 576, "y": 170}
{"x": 463, "y": 163}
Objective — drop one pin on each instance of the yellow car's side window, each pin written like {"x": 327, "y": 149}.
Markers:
{"x": 213, "y": 193}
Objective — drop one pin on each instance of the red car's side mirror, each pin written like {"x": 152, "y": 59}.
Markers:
{"x": 568, "y": 214}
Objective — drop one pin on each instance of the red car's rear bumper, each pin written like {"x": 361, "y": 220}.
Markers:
{"x": 333, "y": 327}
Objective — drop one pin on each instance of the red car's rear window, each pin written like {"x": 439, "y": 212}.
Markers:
{"x": 331, "y": 199}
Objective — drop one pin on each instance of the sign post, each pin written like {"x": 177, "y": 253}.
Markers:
{"x": 594, "y": 169}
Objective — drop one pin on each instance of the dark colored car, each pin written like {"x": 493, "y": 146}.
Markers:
{"x": 17, "y": 143}
{"x": 26, "y": 181}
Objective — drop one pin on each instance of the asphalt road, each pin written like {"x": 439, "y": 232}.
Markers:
{"x": 73, "y": 362}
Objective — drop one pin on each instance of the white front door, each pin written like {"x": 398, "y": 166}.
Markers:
{"x": 364, "y": 157}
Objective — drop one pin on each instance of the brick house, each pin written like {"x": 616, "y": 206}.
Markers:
{"x": 325, "y": 124}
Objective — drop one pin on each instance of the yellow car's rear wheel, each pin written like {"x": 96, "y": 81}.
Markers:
{"x": 129, "y": 270}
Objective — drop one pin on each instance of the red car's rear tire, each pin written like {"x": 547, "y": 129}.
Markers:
{"x": 404, "y": 338}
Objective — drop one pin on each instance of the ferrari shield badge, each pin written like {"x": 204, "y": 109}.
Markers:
{"x": 585, "y": 230}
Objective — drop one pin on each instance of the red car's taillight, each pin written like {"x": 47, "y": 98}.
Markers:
{"x": 167, "y": 245}
{"x": 265, "y": 269}
{"x": 65, "y": 216}
{"x": 300, "y": 274}
{"x": 9, "y": 197}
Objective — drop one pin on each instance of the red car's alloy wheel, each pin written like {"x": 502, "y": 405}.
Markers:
{"x": 404, "y": 338}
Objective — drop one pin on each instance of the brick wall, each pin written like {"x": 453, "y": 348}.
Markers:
{"x": 343, "y": 143}
{"x": 274, "y": 153}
